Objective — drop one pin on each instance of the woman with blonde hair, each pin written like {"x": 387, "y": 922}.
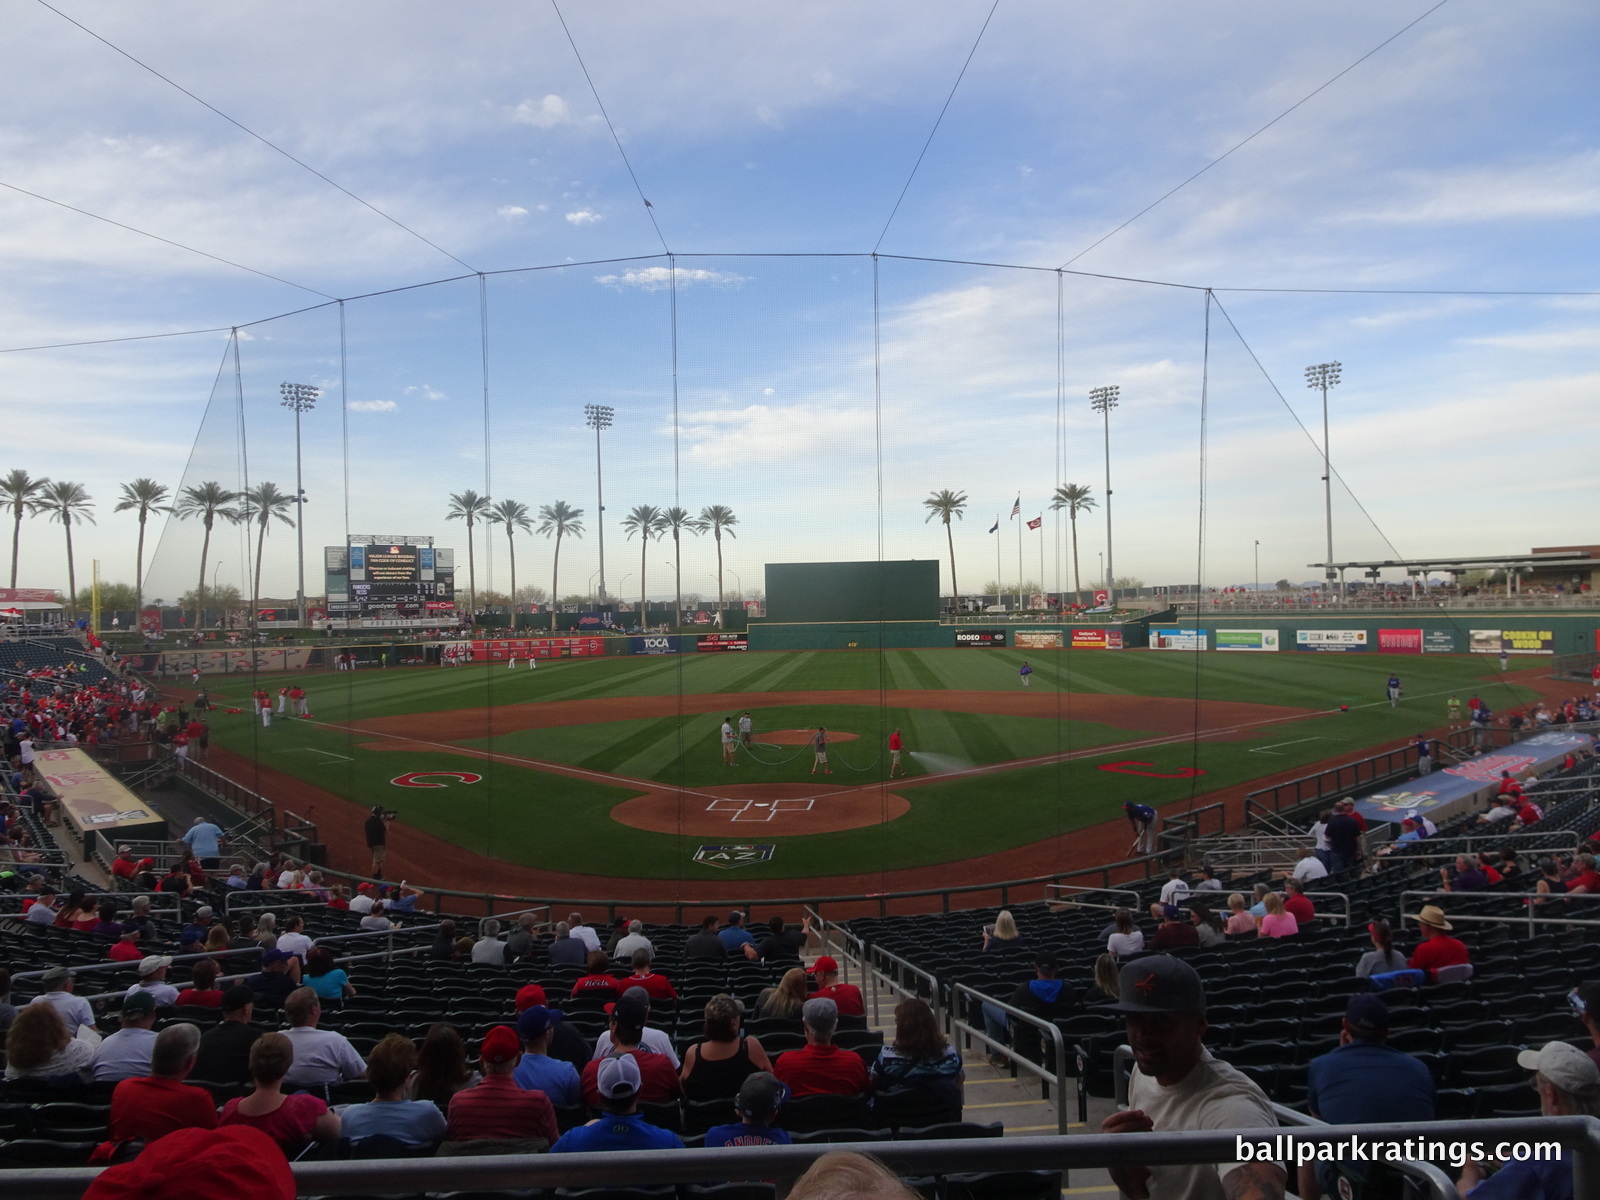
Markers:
{"x": 843, "y": 1175}
{"x": 1278, "y": 922}
{"x": 716, "y": 1068}
{"x": 267, "y": 931}
{"x": 1239, "y": 918}
{"x": 787, "y": 999}
{"x": 38, "y": 1046}
{"x": 1107, "y": 985}
{"x": 1003, "y": 932}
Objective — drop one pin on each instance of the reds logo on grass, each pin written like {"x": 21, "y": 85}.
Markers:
{"x": 418, "y": 779}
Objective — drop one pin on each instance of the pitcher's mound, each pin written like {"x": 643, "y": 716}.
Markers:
{"x": 797, "y": 737}
{"x": 761, "y": 809}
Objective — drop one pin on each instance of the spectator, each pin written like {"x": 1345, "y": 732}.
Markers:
{"x": 202, "y": 991}
{"x": 920, "y": 1056}
{"x": 785, "y": 1000}
{"x": 567, "y": 950}
{"x": 58, "y": 994}
{"x": 1319, "y": 837}
{"x": 365, "y": 897}
{"x": 153, "y": 980}
{"x": 821, "y": 1068}
{"x": 1504, "y": 811}
{"x": 1549, "y": 882}
{"x": 1239, "y": 919}
{"x": 599, "y": 984}
{"x": 1310, "y": 866}
{"x": 1344, "y": 838}
{"x": 107, "y": 925}
{"x": 617, "y": 1084}
{"x": 1297, "y": 904}
{"x": 1469, "y": 876}
{"x": 842, "y": 1175}
{"x": 389, "y": 1112}
{"x": 1438, "y": 949}
{"x": 521, "y": 940}
{"x": 637, "y": 1004}
{"x": 204, "y": 842}
{"x": 161, "y": 1103}
{"x": 846, "y": 995}
{"x": 126, "y": 947}
{"x": 538, "y": 1071}
{"x": 377, "y": 920}
{"x": 758, "y": 1103}
{"x": 734, "y": 936}
{"x": 1207, "y": 925}
{"x": 1278, "y": 921}
{"x": 1383, "y": 957}
{"x": 1176, "y": 931}
{"x": 321, "y": 1056}
{"x": 127, "y": 1052}
{"x": 1208, "y": 879}
{"x": 330, "y": 983}
{"x": 1585, "y": 880}
{"x": 291, "y": 1121}
{"x": 781, "y": 942}
{"x": 42, "y": 911}
{"x": 444, "y": 942}
{"x": 657, "y": 1072}
{"x": 79, "y": 913}
{"x": 635, "y": 940}
{"x": 40, "y": 1045}
{"x": 715, "y": 1068}
{"x": 618, "y": 932}
{"x": 657, "y": 987}
{"x": 1106, "y": 986}
{"x": 279, "y": 975}
{"x": 224, "y": 1053}
{"x": 1568, "y": 1083}
{"x": 293, "y": 937}
{"x": 515, "y": 1119}
{"x": 1178, "y": 1085}
{"x": 488, "y": 950}
{"x": 1174, "y": 891}
{"x": 706, "y": 944}
{"x": 1126, "y": 940}
{"x": 442, "y": 1067}
{"x": 1585, "y": 1000}
{"x": 576, "y": 928}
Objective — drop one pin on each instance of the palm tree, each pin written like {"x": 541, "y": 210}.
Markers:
{"x": 143, "y": 496}
{"x": 646, "y": 520}
{"x": 66, "y": 502}
{"x": 1075, "y": 498}
{"x": 513, "y": 514}
{"x": 678, "y": 519}
{"x": 261, "y": 505}
{"x": 717, "y": 518}
{"x": 945, "y": 504}
{"x": 470, "y": 507}
{"x": 562, "y": 520}
{"x": 208, "y": 501}
{"x": 18, "y": 491}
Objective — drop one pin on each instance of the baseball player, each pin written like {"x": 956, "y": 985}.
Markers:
{"x": 1394, "y": 691}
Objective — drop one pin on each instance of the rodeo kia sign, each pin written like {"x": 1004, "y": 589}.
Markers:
{"x": 980, "y": 637}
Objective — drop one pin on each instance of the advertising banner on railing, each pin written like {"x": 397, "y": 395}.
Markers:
{"x": 1447, "y": 793}
{"x": 1247, "y": 639}
{"x": 662, "y": 644}
{"x": 980, "y": 637}
{"x": 1400, "y": 641}
{"x": 1038, "y": 639}
{"x": 1177, "y": 639}
{"x": 1330, "y": 639}
{"x": 1512, "y": 641}
{"x": 500, "y": 649}
{"x": 1097, "y": 639}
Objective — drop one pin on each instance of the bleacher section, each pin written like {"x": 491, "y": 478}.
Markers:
{"x": 18, "y": 656}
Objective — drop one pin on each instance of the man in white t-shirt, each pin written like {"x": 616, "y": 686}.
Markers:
{"x": 286, "y": 876}
{"x": 1309, "y": 867}
{"x": 576, "y": 928}
{"x": 1177, "y": 1085}
{"x": 320, "y": 1055}
{"x": 294, "y": 938}
{"x": 635, "y": 1003}
{"x": 1174, "y": 891}
{"x": 74, "y": 1010}
{"x": 361, "y": 902}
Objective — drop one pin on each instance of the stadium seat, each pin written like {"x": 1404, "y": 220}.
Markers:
{"x": 1003, "y": 1185}
{"x": 950, "y": 1131}
{"x": 46, "y": 1152}
{"x": 911, "y": 1106}
{"x": 811, "y": 1113}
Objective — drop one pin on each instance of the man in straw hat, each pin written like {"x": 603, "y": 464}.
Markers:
{"x": 1438, "y": 948}
{"x": 1568, "y": 1084}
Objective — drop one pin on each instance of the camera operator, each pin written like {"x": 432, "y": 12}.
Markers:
{"x": 377, "y": 830}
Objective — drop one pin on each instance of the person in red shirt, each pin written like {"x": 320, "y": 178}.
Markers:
{"x": 821, "y": 1068}
{"x": 1438, "y": 949}
{"x": 1297, "y": 903}
{"x": 597, "y": 984}
{"x": 846, "y": 995}
{"x": 203, "y": 989}
{"x": 123, "y": 866}
{"x": 659, "y": 1081}
{"x": 148, "y": 1108}
{"x": 657, "y": 987}
{"x": 496, "y": 1107}
{"x": 126, "y": 948}
{"x": 895, "y": 746}
{"x": 1587, "y": 880}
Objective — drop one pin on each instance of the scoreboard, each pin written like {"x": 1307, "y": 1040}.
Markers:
{"x": 394, "y": 579}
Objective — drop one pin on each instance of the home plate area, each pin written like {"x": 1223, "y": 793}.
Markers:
{"x": 781, "y": 809}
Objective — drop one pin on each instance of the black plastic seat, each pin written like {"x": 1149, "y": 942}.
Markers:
{"x": 912, "y": 1106}
{"x": 808, "y": 1113}
{"x": 1004, "y": 1185}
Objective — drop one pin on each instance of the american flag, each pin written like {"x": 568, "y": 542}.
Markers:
{"x": 1016, "y": 509}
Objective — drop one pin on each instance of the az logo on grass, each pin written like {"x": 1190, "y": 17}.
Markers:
{"x": 417, "y": 779}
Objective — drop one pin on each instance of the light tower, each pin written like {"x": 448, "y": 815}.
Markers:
{"x": 1324, "y": 376}
{"x": 302, "y": 398}
{"x": 598, "y": 417}
{"x": 1103, "y": 400}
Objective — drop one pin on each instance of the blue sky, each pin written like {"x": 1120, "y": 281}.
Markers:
{"x": 1461, "y": 157}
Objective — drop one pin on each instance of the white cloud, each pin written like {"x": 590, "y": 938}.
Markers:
{"x": 584, "y": 217}
{"x": 511, "y": 212}
{"x": 1550, "y": 190}
{"x": 426, "y": 392}
{"x": 764, "y": 433}
{"x": 372, "y": 406}
{"x": 542, "y": 114}
{"x": 654, "y": 279}
{"x": 1555, "y": 339}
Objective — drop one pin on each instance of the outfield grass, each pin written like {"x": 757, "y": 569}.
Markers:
{"x": 521, "y": 814}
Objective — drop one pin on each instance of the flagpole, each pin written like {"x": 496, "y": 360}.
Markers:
{"x": 1041, "y": 561}
{"x": 999, "y": 587}
{"x": 1017, "y": 514}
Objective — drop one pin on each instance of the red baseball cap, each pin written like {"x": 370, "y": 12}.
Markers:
{"x": 528, "y": 996}
{"x": 501, "y": 1045}
{"x": 825, "y": 966}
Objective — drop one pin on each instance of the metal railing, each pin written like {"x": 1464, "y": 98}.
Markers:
{"x": 1057, "y": 889}
{"x": 878, "y": 960}
{"x": 1336, "y": 781}
{"x": 1322, "y": 916}
{"x": 1450, "y": 845}
{"x": 1536, "y": 902}
{"x": 1057, "y": 1043}
{"x": 162, "y": 904}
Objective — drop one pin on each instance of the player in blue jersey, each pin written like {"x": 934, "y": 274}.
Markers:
{"x": 1143, "y": 819}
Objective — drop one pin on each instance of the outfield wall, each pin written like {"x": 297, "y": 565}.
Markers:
{"x": 1520, "y": 633}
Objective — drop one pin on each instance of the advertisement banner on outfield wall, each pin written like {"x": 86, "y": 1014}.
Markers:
{"x": 665, "y": 644}
{"x": 1400, "y": 641}
{"x": 1512, "y": 641}
{"x": 500, "y": 649}
{"x": 1247, "y": 639}
{"x": 980, "y": 637}
{"x": 1330, "y": 639}
{"x": 1038, "y": 639}
{"x": 1439, "y": 641}
{"x": 1177, "y": 639}
{"x": 1097, "y": 639}
{"x": 715, "y": 642}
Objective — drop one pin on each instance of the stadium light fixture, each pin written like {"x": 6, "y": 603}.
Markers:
{"x": 598, "y": 417}
{"x": 1103, "y": 400}
{"x": 1321, "y": 377}
{"x": 302, "y": 398}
